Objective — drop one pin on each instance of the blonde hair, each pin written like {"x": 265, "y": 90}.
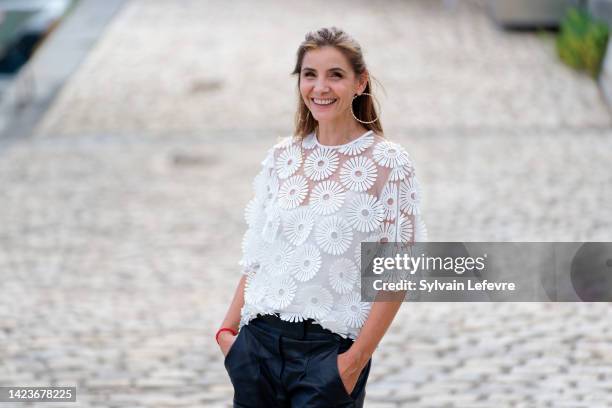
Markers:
{"x": 363, "y": 107}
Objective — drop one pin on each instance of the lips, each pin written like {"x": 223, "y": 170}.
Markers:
{"x": 323, "y": 102}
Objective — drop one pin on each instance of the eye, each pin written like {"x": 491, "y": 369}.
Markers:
{"x": 308, "y": 74}
{"x": 337, "y": 75}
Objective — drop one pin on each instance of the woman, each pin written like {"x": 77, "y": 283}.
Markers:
{"x": 305, "y": 338}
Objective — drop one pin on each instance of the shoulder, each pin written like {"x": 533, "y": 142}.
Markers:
{"x": 284, "y": 145}
{"x": 287, "y": 141}
{"x": 389, "y": 154}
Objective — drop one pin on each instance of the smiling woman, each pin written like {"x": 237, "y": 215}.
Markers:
{"x": 334, "y": 88}
{"x": 305, "y": 338}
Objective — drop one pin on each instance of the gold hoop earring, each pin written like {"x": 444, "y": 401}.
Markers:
{"x": 353, "y": 113}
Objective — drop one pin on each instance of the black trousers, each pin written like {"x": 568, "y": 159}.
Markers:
{"x": 274, "y": 363}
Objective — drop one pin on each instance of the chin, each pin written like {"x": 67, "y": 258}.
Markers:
{"x": 324, "y": 118}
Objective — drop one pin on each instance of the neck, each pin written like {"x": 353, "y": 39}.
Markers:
{"x": 339, "y": 132}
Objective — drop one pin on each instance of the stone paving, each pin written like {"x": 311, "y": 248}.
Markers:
{"x": 120, "y": 219}
{"x": 178, "y": 66}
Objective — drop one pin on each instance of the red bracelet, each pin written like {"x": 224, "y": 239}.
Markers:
{"x": 234, "y": 332}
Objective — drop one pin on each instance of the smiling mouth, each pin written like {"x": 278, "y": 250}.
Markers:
{"x": 323, "y": 101}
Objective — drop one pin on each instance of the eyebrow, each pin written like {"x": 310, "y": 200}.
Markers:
{"x": 329, "y": 70}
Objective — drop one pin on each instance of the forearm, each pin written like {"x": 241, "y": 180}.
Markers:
{"x": 380, "y": 318}
{"x": 232, "y": 317}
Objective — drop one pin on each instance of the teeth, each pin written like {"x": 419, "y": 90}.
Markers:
{"x": 323, "y": 101}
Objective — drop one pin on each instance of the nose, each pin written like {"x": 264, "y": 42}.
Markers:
{"x": 321, "y": 86}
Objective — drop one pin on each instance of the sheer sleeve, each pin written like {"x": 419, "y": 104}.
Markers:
{"x": 402, "y": 226}
{"x": 265, "y": 187}
{"x": 402, "y": 197}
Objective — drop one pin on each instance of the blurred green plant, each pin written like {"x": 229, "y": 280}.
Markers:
{"x": 582, "y": 41}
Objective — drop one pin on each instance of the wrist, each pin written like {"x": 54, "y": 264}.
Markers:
{"x": 359, "y": 356}
{"x": 224, "y": 330}
{"x": 223, "y": 335}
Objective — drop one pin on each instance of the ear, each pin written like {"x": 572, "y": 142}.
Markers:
{"x": 362, "y": 82}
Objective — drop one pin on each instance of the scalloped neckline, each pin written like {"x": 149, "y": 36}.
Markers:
{"x": 316, "y": 140}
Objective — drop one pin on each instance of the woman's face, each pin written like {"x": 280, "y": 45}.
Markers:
{"x": 328, "y": 84}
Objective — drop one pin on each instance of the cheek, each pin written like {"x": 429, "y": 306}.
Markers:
{"x": 304, "y": 91}
{"x": 344, "y": 93}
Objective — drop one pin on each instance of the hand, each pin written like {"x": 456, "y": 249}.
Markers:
{"x": 349, "y": 367}
{"x": 226, "y": 340}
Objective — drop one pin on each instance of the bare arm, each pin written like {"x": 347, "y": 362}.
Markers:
{"x": 250, "y": 261}
{"x": 380, "y": 318}
{"x": 387, "y": 303}
{"x": 232, "y": 317}
{"x": 352, "y": 362}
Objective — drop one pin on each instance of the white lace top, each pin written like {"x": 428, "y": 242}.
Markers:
{"x": 313, "y": 206}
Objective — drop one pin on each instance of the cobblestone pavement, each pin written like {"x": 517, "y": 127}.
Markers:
{"x": 178, "y": 66}
{"x": 118, "y": 244}
{"x": 118, "y": 260}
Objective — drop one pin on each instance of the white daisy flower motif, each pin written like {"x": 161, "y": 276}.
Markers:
{"x": 420, "y": 232}
{"x": 272, "y": 187}
{"x": 389, "y": 154}
{"x": 278, "y": 259}
{"x": 410, "y": 196}
{"x": 315, "y": 300}
{"x": 401, "y": 172}
{"x": 260, "y": 182}
{"x": 285, "y": 142}
{"x": 326, "y": 198}
{"x": 369, "y": 292}
{"x": 288, "y": 161}
{"x": 252, "y": 269}
{"x": 247, "y": 313}
{"x": 386, "y": 233}
{"x": 281, "y": 292}
{"x": 369, "y": 251}
{"x": 297, "y": 225}
{"x": 271, "y": 224}
{"x": 333, "y": 322}
{"x": 291, "y": 317}
{"x": 357, "y": 253}
{"x": 292, "y": 192}
{"x": 253, "y": 248}
{"x": 365, "y": 213}
{"x": 320, "y": 164}
{"x": 268, "y": 161}
{"x": 388, "y": 200}
{"x": 352, "y": 310}
{"x": 254, "y": 212}
{"x": 393, "y": 275}
{"x": 309, "y": 142}
{"x": 406, "y": 228}
{"x": 358, "y": 173}
{"x": 342, "y": 275}
{"x": 266, "y": 186}
{"x": 334, "y": 235}
{"x": 306, "y": 262}
{"x": 359, "y": 145}
{"x": 249, "y": 254}
{"x": 255, "y": 289}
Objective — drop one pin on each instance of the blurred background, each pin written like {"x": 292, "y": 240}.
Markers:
{"x": 130, "y": 132}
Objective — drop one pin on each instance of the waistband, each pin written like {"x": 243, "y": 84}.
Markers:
{"x": 306, "y": 329}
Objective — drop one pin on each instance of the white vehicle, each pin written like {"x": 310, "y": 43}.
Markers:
{"x": 23, "y": 24}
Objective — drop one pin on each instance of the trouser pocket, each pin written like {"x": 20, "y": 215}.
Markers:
{"x": 240, "y": 361}
{"x": 324, "y": 374}
{"x": 252, "y": 388}
{"x": 357, "y": 394}
{"x": 233, "y": 348}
